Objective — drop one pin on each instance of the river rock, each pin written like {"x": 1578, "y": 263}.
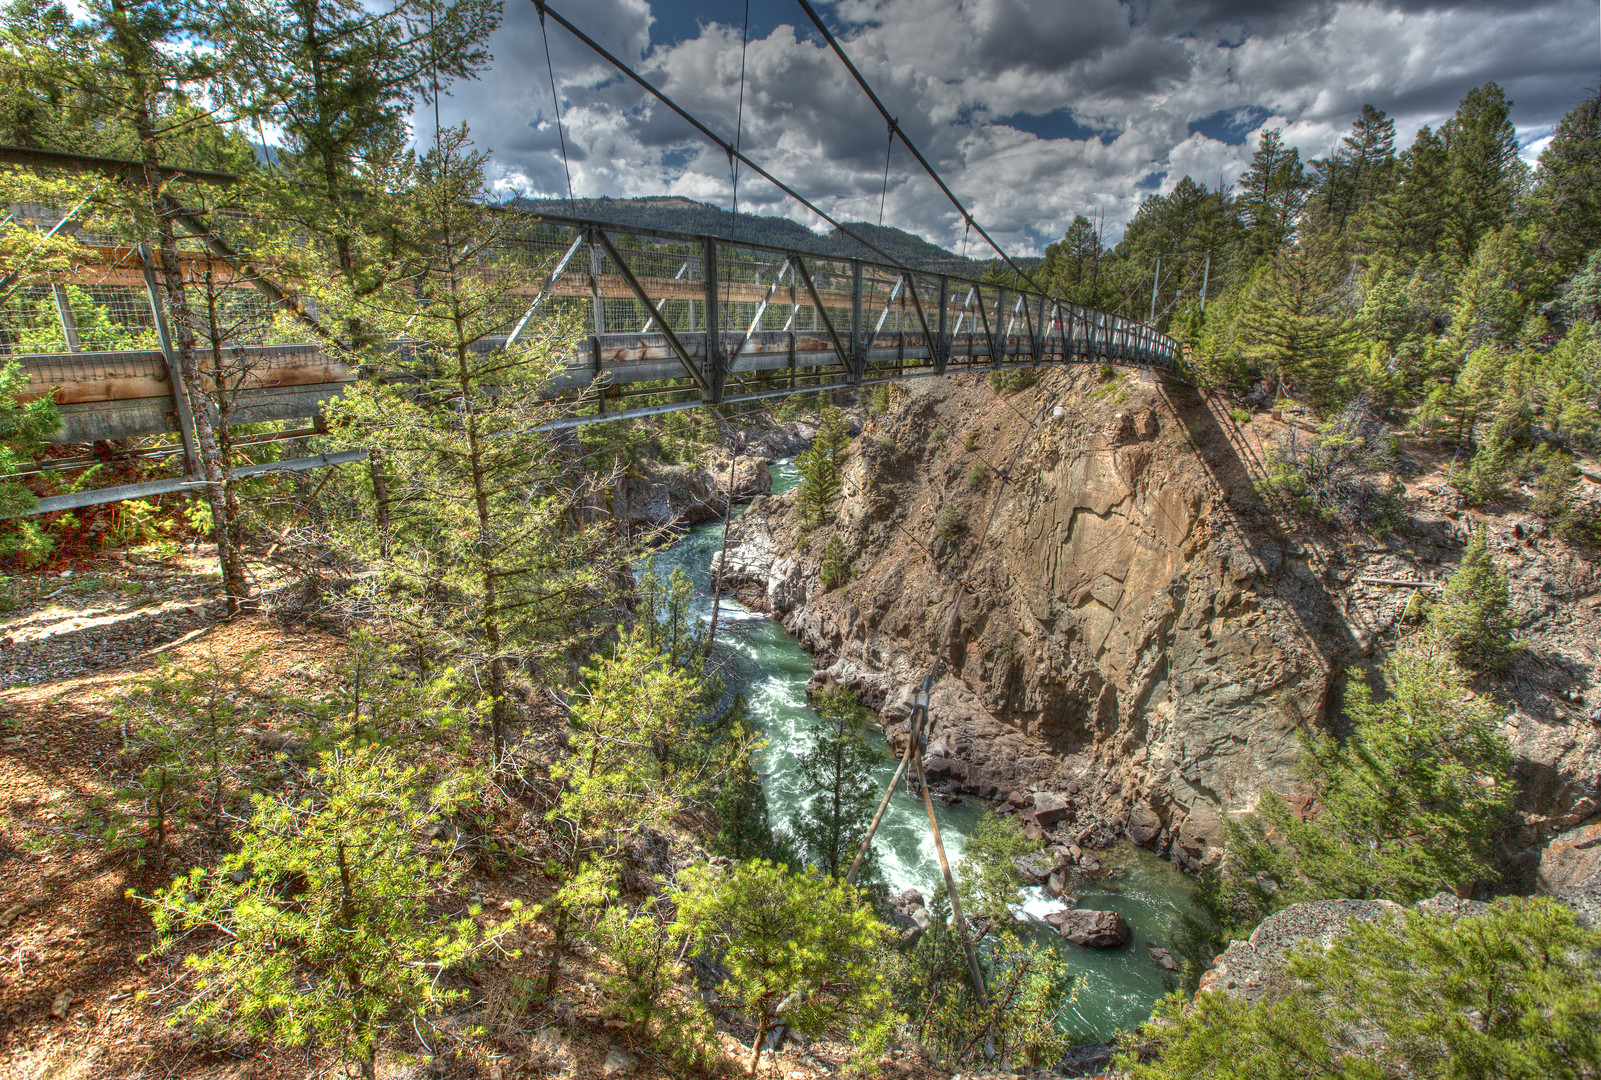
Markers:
{"x": 1036, "y": 867}
{"x": 1163, "y": 959}
{"x": 1050, "y": 808}
{"x": 1090, "y": 1059}
{"x": 1143, "y": 825}
{"x": 1091, "y": 929}
{"x": 909, "y": 912}
{"x": 1056, "y": 884}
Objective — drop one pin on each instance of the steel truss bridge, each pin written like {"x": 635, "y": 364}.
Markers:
{"x": 697, "y": 320}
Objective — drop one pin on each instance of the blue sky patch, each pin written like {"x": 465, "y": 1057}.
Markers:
{"x": 1231, "y": 126}
{"x": 1056, "y": 124}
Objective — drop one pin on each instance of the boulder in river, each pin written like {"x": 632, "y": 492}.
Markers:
{"x": 1091, "y": 929}
{"x": 1163, "y": 959}
{"x": 1035, "y": 867}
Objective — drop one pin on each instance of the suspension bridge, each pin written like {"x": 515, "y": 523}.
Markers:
{"x": 683, "y": 320}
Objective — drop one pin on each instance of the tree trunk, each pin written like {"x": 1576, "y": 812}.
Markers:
{"x": 230, "y": 539}
{"x": 213, "y": 468}
{"x": 756, "y": 1044}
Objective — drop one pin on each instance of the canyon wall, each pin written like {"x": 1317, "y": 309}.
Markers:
{"x": 1132, "y": 628}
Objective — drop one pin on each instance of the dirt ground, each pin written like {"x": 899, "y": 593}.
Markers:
{"x": 80, "y": 996}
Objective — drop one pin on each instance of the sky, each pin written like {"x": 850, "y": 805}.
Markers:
{"x": 1032, "y": 110}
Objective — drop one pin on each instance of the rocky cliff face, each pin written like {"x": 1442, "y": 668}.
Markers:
{"x": 1132, "y": 628}
{"x": 1123, "y": 635}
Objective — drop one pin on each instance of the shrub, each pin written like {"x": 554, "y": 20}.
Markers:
{"x": 1427, "y": 761}
{"x": 1011, "y": 380}
{"x": 1108, "y": 372}
{"x": 1474, "y": 616}
{"x": 1333, "y": 475}
{"x": 1509, "y": 993}
{"x": 971, "y": 442}
{"x": 950, "y": 523}
{"x": 977, "y": 475}
{"x": 1241, "y": 416}
{"x": 795, "y": 946}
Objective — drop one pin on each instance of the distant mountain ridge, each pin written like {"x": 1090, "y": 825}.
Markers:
{"x": 676, "y": 214}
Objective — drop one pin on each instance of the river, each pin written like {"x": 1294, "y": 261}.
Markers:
{"x": 1118, "y": 987}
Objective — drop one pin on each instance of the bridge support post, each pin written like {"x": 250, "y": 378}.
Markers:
{"x": 858, "y": 331}
{"x": 716, "y": 367}
{"x": 942, "y": 344}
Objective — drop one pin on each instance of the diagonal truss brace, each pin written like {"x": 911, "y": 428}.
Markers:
{"x": 822, "y": 313}
{"x": 544, "y": 290}
{"x": 650, "y": 306}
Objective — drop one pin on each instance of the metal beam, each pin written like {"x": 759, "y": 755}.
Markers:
{"x": 77, "y": 500}
{"x": 761, "y": 309}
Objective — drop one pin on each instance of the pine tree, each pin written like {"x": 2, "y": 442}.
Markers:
{"x": 138, "y": 69}
{"x": 619, "y": 776}
{"x": 820, "y": 479}
{"x": 797, "y": 947}
{"x": 183, "y": 737}
{"x": 1566, "y": 200}
{"x": 352, "y": 949}
{"x": 1271, "y": 194}
{"x": 1408, "y": 222}
{"x": 1475, "y": 618}
{"x": 493, "y": 562}
{"x": 1503, "y": 995}
{"x": 837, "y": 771}
{"x": 1483, "y": 171}
{"x": 1295, "y": 320}
{"x": 1404, "y": 807}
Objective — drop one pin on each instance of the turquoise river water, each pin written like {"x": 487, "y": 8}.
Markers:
{"x": 765, "y": 663}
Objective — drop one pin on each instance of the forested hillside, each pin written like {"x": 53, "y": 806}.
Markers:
{"x": 685, "y": 215}
{"x": 1444, "y": 285}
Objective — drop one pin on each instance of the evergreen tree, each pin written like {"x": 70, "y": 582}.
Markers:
{"x": 1409, "y": 222}
{"x": 837, "y": 771}
{"x": 1405, "y": 806}
{"x": 1566, "y": 201}
{"x": 618, "y": 777}
{"x": 1071, "y": 268}
{"x": 798, "y": 948}
{"x": 1483, "y": 171}
{"x": 492, "y": 561}
{"x": 139, "y": 68}
{"x": 987, "y": 877}
{"x": 1295, "y": 320}
{"x": 1509, "y": 994}
{"x": 820, "y": 480}
{"x": 1271, "y": 194}
{"x": 352, "y": 949}
{"x": 1474, "y": 617}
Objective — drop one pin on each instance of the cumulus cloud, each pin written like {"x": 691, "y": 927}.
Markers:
{"x": 1032, "y": 110}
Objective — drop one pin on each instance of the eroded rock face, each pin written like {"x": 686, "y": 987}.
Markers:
{"x": 663, "y": 495}
{"x": 1570, "y": 870}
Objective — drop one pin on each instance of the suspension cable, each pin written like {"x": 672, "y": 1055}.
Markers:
{"x": 721, "y": 143}
{"x": 889, "y": 149}
{"x": 572, "y": 204}
{"x": 828, "y": 36}
{"x": 733, "y": 162}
